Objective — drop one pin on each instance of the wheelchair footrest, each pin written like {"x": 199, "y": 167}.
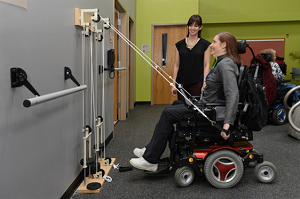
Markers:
{"x": 164, "y": 167}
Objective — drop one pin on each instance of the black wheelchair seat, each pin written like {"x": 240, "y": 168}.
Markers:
{"x": 194, "y": 126}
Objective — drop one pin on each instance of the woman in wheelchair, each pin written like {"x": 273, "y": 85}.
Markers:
{"x": 221, "y": 86}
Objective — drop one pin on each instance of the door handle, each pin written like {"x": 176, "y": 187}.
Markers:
{"x": 164, "y": 49}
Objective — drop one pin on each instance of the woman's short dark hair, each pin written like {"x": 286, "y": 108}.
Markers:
{"x": 231, "y": 46}
{"x": 197, "y": 20}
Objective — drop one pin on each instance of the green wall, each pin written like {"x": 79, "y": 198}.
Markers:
{"x": 259, "y": 30}
{"x": 231, "y": 11}
{"x": 254, "y": 19}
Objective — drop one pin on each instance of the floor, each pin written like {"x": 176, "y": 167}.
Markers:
{"x": 273, "y": 141}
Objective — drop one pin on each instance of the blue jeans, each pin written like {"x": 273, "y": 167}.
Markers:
{"x": 290, "y": 86}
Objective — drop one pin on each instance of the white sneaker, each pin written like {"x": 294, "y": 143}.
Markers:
{"x": 141, "y": 163}
{"x": 139, "y": 152}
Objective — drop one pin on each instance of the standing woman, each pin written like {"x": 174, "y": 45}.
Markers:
{"x": 192, "y": 59}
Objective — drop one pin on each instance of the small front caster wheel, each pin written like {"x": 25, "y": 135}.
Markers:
{"x": 184, "y": 176}
{"x": 265, "y": 172}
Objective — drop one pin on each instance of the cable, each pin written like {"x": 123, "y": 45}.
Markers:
{"x": 156, "y": 67}
{"x": 140, "y": 51}
{"x": 93, "y": 105}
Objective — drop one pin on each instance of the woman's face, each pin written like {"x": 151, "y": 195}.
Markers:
{"x": 217, "y": 48}
{"x": 194, "y": 29}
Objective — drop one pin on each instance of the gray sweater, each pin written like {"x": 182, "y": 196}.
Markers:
{"x": 223, "y": 78}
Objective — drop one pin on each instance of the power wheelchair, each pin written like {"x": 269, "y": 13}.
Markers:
{"x": 196, "y": 146}
{"x": 277, "y": 111}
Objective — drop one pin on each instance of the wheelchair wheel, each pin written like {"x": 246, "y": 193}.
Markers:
{"x": 184, "y": 176}
{"x": 265, "y": 172}
{"x": 279, "y": 116}
{"x": 223, "y": 169}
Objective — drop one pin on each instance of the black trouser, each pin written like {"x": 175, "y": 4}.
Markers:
{"x": 164, "y": 128}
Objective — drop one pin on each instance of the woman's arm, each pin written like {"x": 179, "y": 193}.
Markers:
{"x": 175, "y": 72}
{"x": 231, "y": 92}
{"x": 228, "y": 74}
{"x": 206, "y": 63}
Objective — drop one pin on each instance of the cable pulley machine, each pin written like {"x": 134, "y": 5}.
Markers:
{"x": 111, "y": 69}
{"x": 93, "y": 162}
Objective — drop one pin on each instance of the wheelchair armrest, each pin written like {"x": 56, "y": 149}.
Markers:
{"x": 186, "y": 102}
{"x": 240, "y": 105}
{"x": 284, "y": 81}
{"x": 195, "y": 98}
{"x": 242, "y": 108}
{"x": 215, "y": 104}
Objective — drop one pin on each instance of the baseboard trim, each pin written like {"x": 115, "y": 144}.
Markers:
{"x": 72, "y": 188}
{"x": 78, "y": 180}
{"x": 142, "y": 103}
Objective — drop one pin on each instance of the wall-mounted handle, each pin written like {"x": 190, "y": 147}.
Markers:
{"x": 164, "y": 49}
{"x": 18, "y": 77}
{"x": 68, "y": 75}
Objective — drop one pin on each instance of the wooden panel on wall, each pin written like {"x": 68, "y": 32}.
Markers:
{"x": 261, "y": 44}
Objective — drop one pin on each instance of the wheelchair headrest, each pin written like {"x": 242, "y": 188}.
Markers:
{"x": 279, "y": 58}
{"x": 242, "y": 46}
{"x": 267, "y": 56}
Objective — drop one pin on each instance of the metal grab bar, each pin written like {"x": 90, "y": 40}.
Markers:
{"x": 291, "y": 110}
{"x": 40, "y": 99}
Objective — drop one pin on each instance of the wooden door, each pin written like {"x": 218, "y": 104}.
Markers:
{"x": 131, "y": 66}
{"x": 120, "y": 79}
{"x": 161, "y": 89}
